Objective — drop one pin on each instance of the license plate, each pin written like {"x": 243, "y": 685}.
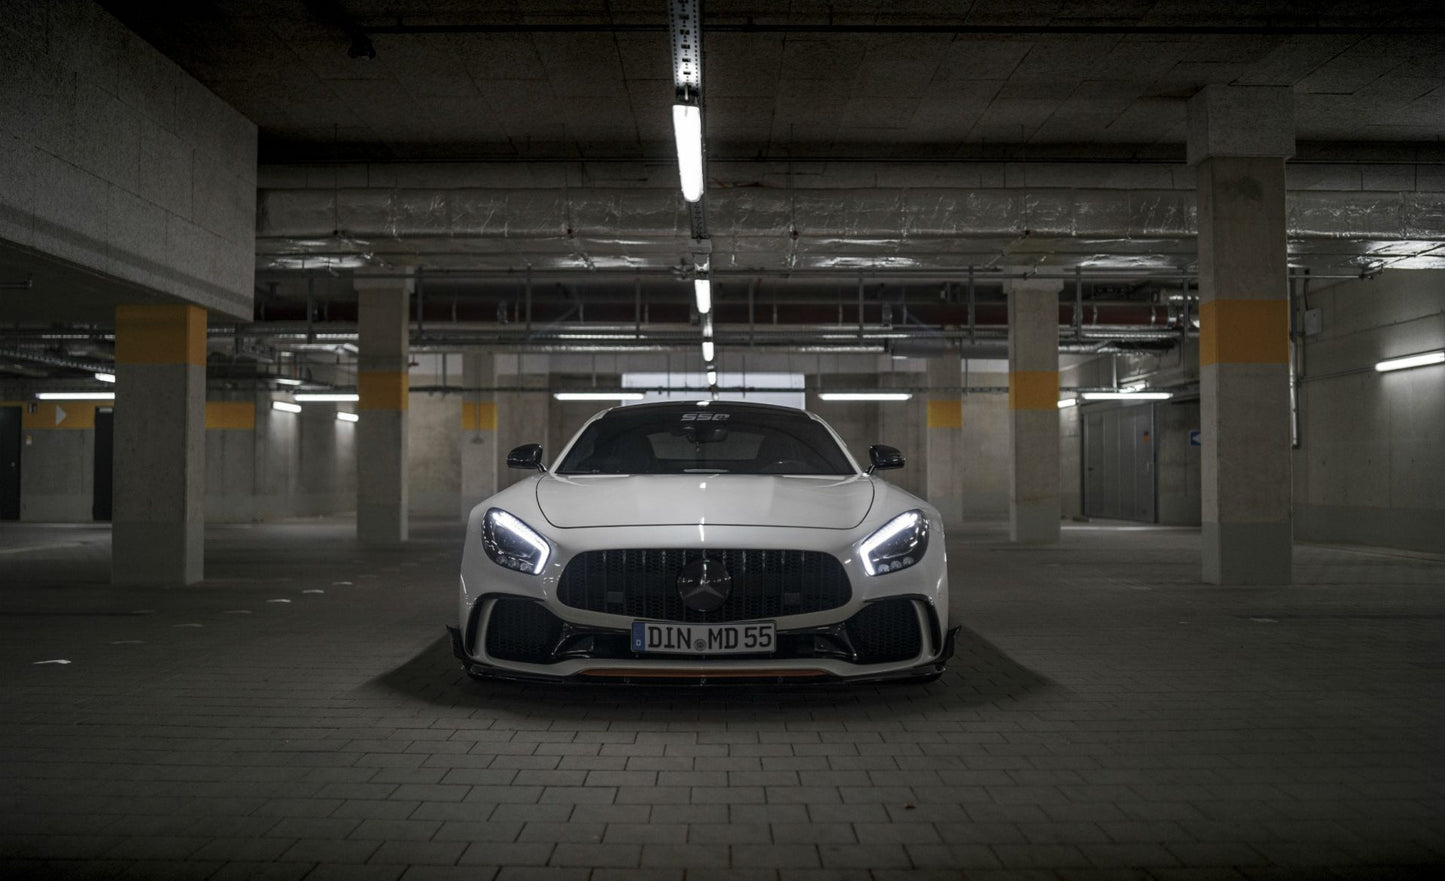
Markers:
{"x": 656, "y": 637}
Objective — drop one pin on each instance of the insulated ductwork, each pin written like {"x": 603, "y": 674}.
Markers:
{"x": 763, "y": 229}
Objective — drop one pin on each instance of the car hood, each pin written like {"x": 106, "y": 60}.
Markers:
{"x": 713, "y": 499}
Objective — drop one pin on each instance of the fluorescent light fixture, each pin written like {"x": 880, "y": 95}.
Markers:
{"x": 1126, "y": 396}
{"x": 1066, "y": 403}
{"x": 1411, "y": 361}
{"x": 687, "y": 129}
{"x": 286, "y": 406}
{"x": 1136, "y": 387}
{"x": 865, "y": 396}
{"x": 703, "y": 288}
{"x": 708, "y": 350}
{"x": 598, "y": 396}
{"x": 283, "y": 380}
{"x": 322, "y": 397}
{"x": 75, "y": 396}
{"x": 712, "y": 377}
{"x": 343, "y": 416}
{"x": 105, "y": 377}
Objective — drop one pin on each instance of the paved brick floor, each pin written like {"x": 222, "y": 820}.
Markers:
{"x": 299, "y": 716}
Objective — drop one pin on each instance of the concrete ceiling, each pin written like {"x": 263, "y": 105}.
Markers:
{"x": 844, "y": 138}
{"x": 876, "y": 79}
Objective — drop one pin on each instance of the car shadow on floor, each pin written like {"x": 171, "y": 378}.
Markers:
{"x": 979, "y": 674}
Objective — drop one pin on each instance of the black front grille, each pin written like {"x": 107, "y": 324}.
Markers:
{"x": 521, "y": 630}
{"x": 886, "y": 631}
{"x": 643, "y": 583}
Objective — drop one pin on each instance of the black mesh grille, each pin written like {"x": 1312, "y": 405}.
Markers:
{"x": 643, "y": 583}
{"x": 519, "y": 630}
{"x": 886, "y": 631}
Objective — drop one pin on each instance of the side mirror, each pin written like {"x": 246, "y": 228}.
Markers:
{"x": 527, "y": 456}
{"x": 885, "y": 457}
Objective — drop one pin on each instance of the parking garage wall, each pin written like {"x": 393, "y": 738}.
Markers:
{"x": 280, "y": 465}
{"x": 1370, "y": 465}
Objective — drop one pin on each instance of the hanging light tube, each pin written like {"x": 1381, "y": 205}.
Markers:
{"x": 1411, "y": 361}
{"x": 708, "y": 350}
{"x": 865, "y": 396}
{"x": 105, "y": 377}
{"x": 597, "y": 396}
{"x": 286, "y": 406}
{"x": 703, "y": 289}
{"x": 1126, "y": 395}
{"x": 322, "y": 397}
{"x": 75, "y": 396}
{"x": 687, "y": 129}
{"x": 343, "y": 416}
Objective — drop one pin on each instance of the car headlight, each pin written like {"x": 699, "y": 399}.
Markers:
{"x": 512, "y": 543}
{"x": 895, "y": 545}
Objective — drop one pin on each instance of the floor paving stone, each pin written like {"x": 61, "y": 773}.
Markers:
{"x": 1107, "y": 716}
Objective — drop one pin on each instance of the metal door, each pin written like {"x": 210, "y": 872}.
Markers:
{"x": 104, "y": 455}
{"x": 10, "y": 463}
{"x": 1119, "y": 473}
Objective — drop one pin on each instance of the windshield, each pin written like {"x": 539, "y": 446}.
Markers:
{"x": 692, "y": 440}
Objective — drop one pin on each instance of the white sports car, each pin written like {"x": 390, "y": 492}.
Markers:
{"x": 704, "y": 541}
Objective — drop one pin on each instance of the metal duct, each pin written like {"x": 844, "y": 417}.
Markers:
{"x": 785, "y": 229}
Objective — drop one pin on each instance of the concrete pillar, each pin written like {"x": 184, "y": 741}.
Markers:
{"x": 384, "y": 328}
{"x": 944, "y": 419}
{"x": 478, "y": 441}
{"x": 1239, "y": 138}
{"x": 159, "y": 509}
{"x": 1033, "y": 408}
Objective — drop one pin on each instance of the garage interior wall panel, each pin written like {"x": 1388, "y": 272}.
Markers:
{"x": 1071, "y": 463}
{"x": 434, "y": 466}
{"x": 943, "y": 429}
{"x": 231, "y": 473}
{"x": 278, "y": 462}
{"x": 523, "y": 412}
{"x": 57, "y": 474}
{"x": 1370, "y": 468}
{"x": 477, "y": 435}
{"x": 1177, "y": 463}
{"x": 984, "y": 461}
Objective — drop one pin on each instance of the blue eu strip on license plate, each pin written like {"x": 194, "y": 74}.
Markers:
{"x": 747, "y": 638}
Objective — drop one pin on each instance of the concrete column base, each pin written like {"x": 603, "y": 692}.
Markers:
{"x": 147, "y": 552}
{"x": 1247, "y": 553}
{"x": 382, "y": 525}
{"x": 1035, "y": 522}
{"x": 381, "y": 490}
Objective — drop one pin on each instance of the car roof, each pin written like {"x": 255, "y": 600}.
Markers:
{"x": 739, "y": 407}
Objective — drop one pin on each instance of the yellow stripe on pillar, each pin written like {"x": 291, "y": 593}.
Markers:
{"x": 239, "y": 415}
{"x": 162, "y": 334}
{"x": 381, "y": 390}
{"x": 479, "y": 416}
{"x": 1033, "y": 390}
{"x": 945, "y": 414}
{"x": 1244, "y": 332}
